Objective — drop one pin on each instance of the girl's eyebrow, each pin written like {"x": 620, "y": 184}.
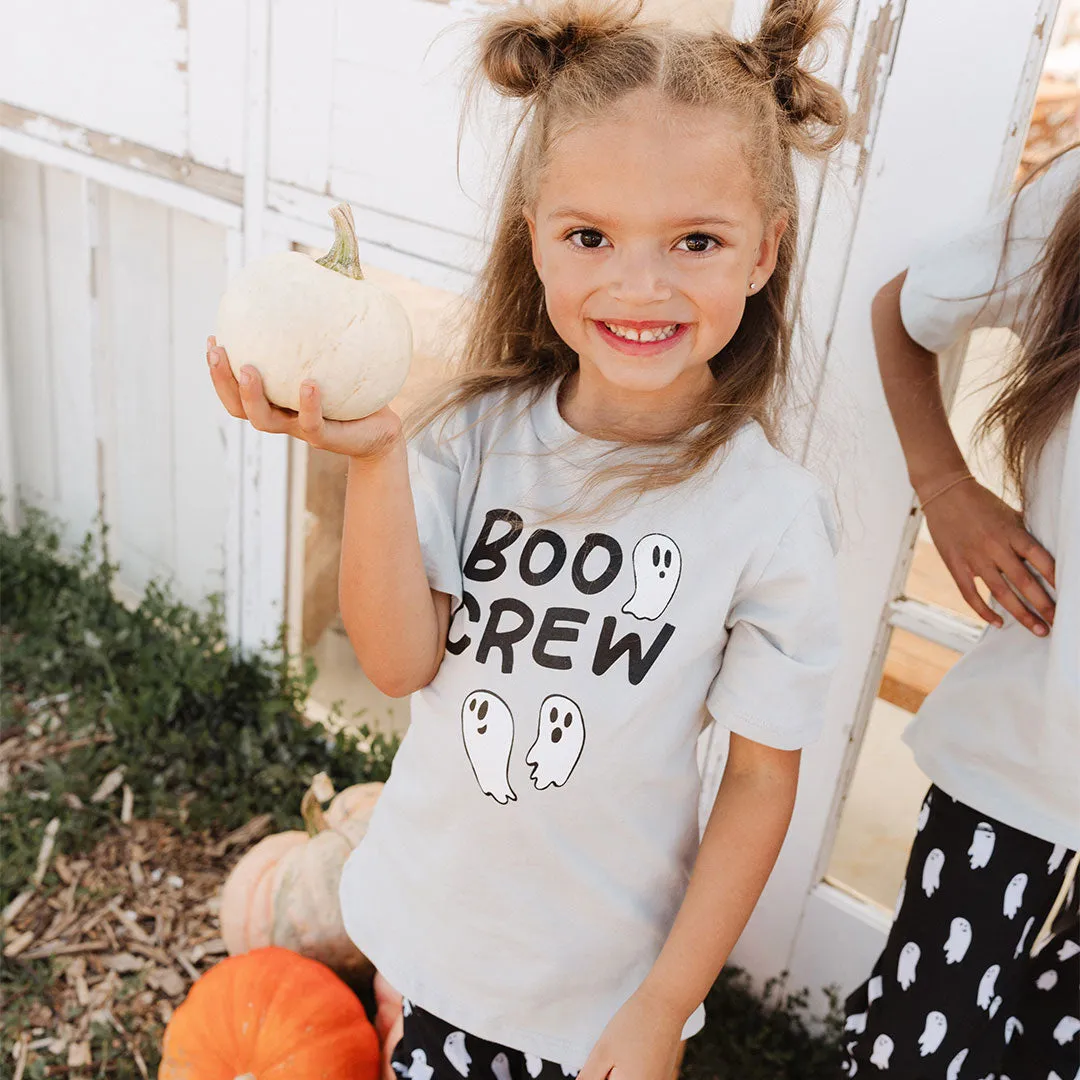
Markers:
{"x": 683, "y": 223}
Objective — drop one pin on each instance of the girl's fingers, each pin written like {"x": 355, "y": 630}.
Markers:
{"x": 1012, "y": 603}
{"x": 1031, "y": 551}
{"x": 1023, "y": 581}
{"x": 222, "y": 377}
{"x": 310, "y": 419}
{"x": 260, "y": 412}
{"x": 971, "y": 594}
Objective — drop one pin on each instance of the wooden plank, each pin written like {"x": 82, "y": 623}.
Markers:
{"x": 97, "y": 221}
{"x": 263, "y": 459}
{"x": 264, "y": 537}
{"x": 68, "y": 273}
{"x": 201, "y": 490}
{"x": 935, "y": 624}
{"x": 295, "y": 551}
{"x": 217, "y": 31}
{"x": 913, "y": 668}
{"x": 835, "y": 213}
{"x": 402, "y": 156}
{"x": 302, "y": 36}
{"x": 114, "y": 66}
{"x": 138, "y": 341}
{"x": 256, "y": 125}
{"x": 232, "y": 431}
{"x": 1024, "y": 97}
{"x": 149, "y": 174}
{"x": 26, "y": 301}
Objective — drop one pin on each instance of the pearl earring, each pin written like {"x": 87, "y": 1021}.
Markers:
{"x": 753, "y": 285}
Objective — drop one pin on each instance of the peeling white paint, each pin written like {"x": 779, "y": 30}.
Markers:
{"x": 59, "y": 134}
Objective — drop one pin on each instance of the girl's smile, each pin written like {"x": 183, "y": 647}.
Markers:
{"x": 641, "y": 337}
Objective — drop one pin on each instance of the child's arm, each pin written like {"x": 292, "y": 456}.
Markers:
{"x": 746, "y": 828}
{"x": 977, "y": 534}
{"x": 396, "y": 623}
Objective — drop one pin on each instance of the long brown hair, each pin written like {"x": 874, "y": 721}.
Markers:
{"x": 1042, "y": 383}
{"x": 574, "y": 60}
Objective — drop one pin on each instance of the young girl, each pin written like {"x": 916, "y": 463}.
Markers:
{"x": 957, "y": 992}
{"x": 591, "y": 548}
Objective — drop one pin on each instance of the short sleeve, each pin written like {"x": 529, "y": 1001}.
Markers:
{"x": 974, "y": 279}
{"x": 435, "y": 476}
{"x": 784, "y": 639}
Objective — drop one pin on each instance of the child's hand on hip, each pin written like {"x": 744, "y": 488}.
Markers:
{"x": 640, "y": 1043}
{"x": 370, "y": 437}
{"x": 980, "y": 536}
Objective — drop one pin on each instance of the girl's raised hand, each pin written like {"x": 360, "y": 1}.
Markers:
{"x": 980, "y": 536}
{"x": 370, "y": 437}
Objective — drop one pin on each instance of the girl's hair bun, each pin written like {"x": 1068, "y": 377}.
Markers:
{"x": 788, "y": 28}
{"x": 523, "y": 48}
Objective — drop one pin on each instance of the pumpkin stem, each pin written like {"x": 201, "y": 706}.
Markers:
{"x": 344, "y": 256}
{"x": 312, "y": 813}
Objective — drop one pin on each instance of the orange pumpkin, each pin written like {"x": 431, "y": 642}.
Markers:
{"x": 284, "y": 891}
{"x": 270, "y": 1013}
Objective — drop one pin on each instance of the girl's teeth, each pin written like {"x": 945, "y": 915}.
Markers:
{"x": 660, "y": 333}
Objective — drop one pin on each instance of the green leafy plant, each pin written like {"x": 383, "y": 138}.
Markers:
{"x": 771, "y": 1036}
{"x": 206, "y": 735}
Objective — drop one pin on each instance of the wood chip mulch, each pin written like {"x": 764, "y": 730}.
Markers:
{"x": 133, "y": 925}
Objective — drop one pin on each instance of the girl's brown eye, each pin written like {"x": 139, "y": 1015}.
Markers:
{"x": 588, "y": 238}
{"x": 699, "y": 243}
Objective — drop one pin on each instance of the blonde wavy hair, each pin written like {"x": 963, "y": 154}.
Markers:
{"x": 1041, "y": 385}
{"x": 574, "y": 60}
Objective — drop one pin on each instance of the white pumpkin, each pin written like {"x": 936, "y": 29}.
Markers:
{"x": 294, "y": 318}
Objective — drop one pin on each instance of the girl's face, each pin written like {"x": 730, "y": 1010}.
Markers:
{"x": 647, "y": 236}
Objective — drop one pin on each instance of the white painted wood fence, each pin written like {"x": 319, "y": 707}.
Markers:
{"x": 142, "y": 164}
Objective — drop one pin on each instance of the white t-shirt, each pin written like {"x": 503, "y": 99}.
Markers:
{"x": 533, "y": 844}
{"x": 1002, "y": 731}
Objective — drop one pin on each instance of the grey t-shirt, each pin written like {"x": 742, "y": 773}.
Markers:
{"x": 534, "y": 842}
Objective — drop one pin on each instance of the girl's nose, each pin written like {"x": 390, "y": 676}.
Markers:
{"x": 639, "y": 279}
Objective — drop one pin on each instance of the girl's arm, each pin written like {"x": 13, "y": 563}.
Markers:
{"x": 396, "y": 623}
{"x": 977, "y": 534}
{"x": 746, "y": 828}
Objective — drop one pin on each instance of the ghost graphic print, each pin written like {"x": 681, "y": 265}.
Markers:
{"x": 456, "y": 1053}
{"x": 1014, "y": 895}
{"x": 487, "y": 726}
{"x": 931, "y": 875}
{"x": 982, "y": 845}
{"x": 559, "y": 742}
{"x": 985, "y": 995}
{"x": 657, "y": 569}
{"x": 883, "y": 1048}
{"x": 957, "y": 1063}
{"x": 1066, "y": 1029}
{"x": 906, "y": 965}
{"x": 959, "y": 940}
{"x": 933, "y": 1033}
